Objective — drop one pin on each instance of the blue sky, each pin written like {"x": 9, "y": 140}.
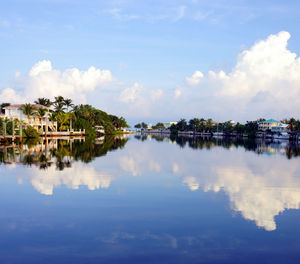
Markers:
{"x": 154, "y": 43}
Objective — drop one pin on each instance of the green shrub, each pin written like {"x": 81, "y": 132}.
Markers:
{"x": 30, "y": 132}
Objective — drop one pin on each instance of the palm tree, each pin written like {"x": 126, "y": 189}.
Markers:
{"x": 43, "y": 101}
{"x": 59, "y": 104}
{"x": 41, "y": 112}
{"x": 202, "y": 124}
{"x": 28, "y": 110}
{"x": 62, "y": 119}
{"x": 68, "y": 103}
{"x": 59, "y": 107}
{"x": 59, "y": 99}
{"x": 71, "y": 117}
{"x": 209, "y": 124}
{"x": 292, "y": 123}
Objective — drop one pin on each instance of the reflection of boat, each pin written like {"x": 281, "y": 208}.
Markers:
{"x": 218, "y": 134}
{"x": 281, "y": 136}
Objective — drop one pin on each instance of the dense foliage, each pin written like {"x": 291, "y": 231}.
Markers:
{"x": 30, "y": 132}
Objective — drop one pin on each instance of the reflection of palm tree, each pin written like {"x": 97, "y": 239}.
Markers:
{"x": 28, "y": 159}
{"x": 64, "y": 157}
{"x": 44, "y": 162}
{"x": 60, "y": 155}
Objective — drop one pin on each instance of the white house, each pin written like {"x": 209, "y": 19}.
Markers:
{"x": 41, "y": 124}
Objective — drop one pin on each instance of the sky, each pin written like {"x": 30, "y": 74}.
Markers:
{"x": 155, "y": 60}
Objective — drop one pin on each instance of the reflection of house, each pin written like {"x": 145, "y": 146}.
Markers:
{"x": 39, "y": 123}
{"x": 268, "y": 124}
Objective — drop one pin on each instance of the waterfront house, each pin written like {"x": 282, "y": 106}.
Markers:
{"x": 268, "y": 124}
{"x": 41, "y": 124}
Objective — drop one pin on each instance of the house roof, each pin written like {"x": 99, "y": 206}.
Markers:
{"x": 17, "y": 106}
{"x": 270, "y": 121}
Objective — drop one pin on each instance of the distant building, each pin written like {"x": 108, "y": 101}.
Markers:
{"x": 39, "y": 123}
{"x": 268, "y": 124}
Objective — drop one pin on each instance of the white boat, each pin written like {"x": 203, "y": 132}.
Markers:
{"x": 281, "y": 136}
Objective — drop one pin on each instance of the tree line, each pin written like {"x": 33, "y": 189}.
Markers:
{"x": 210, "y": 126}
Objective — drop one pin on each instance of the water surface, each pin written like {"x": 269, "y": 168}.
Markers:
{"x": 150, "y": 200}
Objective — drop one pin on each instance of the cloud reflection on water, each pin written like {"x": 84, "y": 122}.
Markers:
{"x": 78, "y": 175}
{"x": 260, "y": 187}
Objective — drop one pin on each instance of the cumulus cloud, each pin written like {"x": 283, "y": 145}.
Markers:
{"x": 131, "y": 94}
{"x": 195, "y": 78}
{"x": 11, "y": 96}
{"x": 44, "y": 81}
{"x": 264, "y": 81}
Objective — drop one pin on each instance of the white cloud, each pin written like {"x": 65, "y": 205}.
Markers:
{"x": 195, "y": 78}
{"x": 131, "y": 94}
{"x": 44, "y": 81}
{"x": 9, "y": 95}
{"x": 264, "y": 81}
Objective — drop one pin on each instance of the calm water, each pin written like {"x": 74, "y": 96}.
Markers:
{"x": 150, "y": 200}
